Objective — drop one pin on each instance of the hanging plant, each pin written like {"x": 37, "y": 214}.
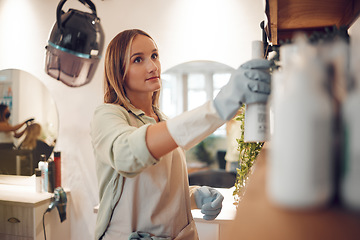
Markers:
{"x": 248, "y": 153}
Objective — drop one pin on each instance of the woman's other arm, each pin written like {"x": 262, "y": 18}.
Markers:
{"x": 6, "y": 127}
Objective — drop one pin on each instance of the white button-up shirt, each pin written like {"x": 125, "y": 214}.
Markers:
{"x": 137, "y": 191}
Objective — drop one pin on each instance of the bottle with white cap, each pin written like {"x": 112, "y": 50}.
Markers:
{"x": 300, "y": 168}
{"x": 43, "y": 166}
{"x": 278, "y": 82}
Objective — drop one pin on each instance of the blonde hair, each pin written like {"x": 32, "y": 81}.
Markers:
{"x": 117, "y": 60}
{"x": 32, "y": 133}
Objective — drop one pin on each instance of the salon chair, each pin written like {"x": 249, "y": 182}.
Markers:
{"x": 218, "y": 178}
{"x": 220, "y": 155}
{"x": 16, "y": 162}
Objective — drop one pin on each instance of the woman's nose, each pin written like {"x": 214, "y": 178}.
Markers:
{"x": 152, "y": 66}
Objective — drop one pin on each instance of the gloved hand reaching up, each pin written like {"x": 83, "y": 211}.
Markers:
{"x": 250, "y": 83}
{"x": 209, "y": 200}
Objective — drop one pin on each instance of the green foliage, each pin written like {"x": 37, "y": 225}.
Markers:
{"x": 202, "y": 154}
{"x": 202, "y": 151}
{"x": 248, "y": 154}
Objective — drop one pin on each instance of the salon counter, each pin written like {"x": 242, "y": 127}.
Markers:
{"x": 22, "y": 209}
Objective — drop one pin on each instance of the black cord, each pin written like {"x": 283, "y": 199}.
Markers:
{"x": 44, "y": 224}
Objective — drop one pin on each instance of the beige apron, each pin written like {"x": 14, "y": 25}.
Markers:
{"x": 156, "y": 201}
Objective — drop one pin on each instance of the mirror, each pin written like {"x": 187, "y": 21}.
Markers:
{"x": 27, "y": 97}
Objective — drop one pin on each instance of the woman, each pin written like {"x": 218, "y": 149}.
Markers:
{"x": 7, "y": 131}
{"x": 140, "y": 162}
{"x": 32, "y": 142}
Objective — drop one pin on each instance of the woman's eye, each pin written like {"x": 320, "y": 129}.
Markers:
{"x": 155, "y": 56}
{"x": 137, "y": 60}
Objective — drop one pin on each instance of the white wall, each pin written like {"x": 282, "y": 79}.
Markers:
{"x": 185, "y": 30}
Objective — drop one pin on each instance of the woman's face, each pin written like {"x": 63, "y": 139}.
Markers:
{"x": 143, "y": 74}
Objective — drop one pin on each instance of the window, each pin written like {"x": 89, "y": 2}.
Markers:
{"x": 196, "y": 94}
{"x": 190, "y": 85}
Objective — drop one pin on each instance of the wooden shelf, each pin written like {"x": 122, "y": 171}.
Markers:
{"x": 285, "y": 17}
{"x": 258, "y": 218}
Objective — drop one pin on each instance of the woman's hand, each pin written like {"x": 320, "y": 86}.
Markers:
{"x": 29, "y": 121}
{"x": 209, "y": 200}
{"x": 250, "y": 83}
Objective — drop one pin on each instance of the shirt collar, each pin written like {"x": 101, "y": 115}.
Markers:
{"x": 139, "y": 112}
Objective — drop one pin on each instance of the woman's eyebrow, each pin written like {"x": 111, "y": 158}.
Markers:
{"x": 137, "y": 54}
{"x": 140, "y": 53}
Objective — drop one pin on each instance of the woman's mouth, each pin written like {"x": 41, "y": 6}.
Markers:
{"x": 153, "y": 78}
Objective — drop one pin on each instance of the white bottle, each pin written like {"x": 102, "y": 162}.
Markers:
{"x": 278, "y": 82}
{"x": 300, "y": 167}
{"x": 255, "y": 113}
{"x": 349, "y": 187}
{"x": 38, "y": 182}
{"x": 43, "y": 166}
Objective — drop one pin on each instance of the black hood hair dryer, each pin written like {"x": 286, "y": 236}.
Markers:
{"x": 59, "y": 201}
{"x": 75, "y": 45}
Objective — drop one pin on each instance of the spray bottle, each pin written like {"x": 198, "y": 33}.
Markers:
{"x": 255, "y": 113}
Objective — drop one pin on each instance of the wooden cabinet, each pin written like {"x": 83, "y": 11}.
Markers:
{"x": 16, "y": 221}
{"x": 285, "y": 17}
{"x": 21, "y": 213}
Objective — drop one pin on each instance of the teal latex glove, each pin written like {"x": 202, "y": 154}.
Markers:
{"x": 209, "y": 200}
{"x": 250, "y": 83}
